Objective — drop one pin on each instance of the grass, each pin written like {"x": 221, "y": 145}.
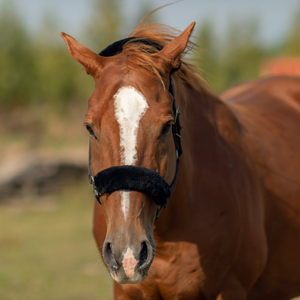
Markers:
{"x": 47, "y": 249}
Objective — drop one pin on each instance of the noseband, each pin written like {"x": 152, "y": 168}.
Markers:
{"x": 135, "y": 178}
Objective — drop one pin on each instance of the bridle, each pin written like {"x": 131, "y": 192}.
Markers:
{"x": 135, "y": 178}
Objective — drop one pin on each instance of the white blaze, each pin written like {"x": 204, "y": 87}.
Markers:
{"x": 130, "y": 106}
{"x": 124, "y": 202}
{"x": 129, "y": 263}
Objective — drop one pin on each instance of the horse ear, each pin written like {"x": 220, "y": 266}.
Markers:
{"x": 90, "y": 61}
{"x": 175, "y": 48}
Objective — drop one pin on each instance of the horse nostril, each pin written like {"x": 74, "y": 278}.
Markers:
{"x": 143, "y": 254}
{"x": 108, "y": 256}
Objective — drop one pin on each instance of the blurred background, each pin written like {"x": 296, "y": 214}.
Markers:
{"x": 46, "y": 246}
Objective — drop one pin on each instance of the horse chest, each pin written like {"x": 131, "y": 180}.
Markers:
{"x": 181, "y": 276}
{"x": 176, "y": 276}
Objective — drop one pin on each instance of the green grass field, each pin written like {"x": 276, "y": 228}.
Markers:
{"x": 47, "y": 250}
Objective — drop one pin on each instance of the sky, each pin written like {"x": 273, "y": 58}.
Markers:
{"x": 70, "y": 15}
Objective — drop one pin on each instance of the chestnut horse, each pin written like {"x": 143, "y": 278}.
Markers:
{"x": 231, "y": 229}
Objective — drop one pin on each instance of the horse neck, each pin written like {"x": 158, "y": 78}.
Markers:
{"x": 210, "y": 135}
{"x": 209, "y": 128}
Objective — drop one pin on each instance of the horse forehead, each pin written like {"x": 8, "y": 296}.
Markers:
{"x": 130, "y": 101}
{"x": 130, "y": 89}
{"x": 129, "y": 107}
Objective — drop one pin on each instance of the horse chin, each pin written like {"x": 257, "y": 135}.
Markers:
{"x": 121, "y": 278}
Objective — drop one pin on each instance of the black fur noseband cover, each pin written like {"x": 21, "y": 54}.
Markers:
{"x": 133, "y": 178}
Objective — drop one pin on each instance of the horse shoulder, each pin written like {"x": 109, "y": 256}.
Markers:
{"x": 249, "y": 194}
{"x": 269, "y": 112}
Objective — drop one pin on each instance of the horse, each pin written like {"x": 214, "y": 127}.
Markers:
{"x": 224, "y": 224}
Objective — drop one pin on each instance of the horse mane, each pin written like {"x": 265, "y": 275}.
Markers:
{"x": 137, "y": 57}
{"x": 187, "y": 77}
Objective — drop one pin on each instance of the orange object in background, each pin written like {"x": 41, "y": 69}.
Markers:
{"x": 281, "y": 66}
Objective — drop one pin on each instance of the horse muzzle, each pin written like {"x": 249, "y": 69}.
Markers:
{"x": 130, "y": 265}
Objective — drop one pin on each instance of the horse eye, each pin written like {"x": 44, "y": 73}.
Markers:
{"x": 90, "y": 130}
{"x": 166, "y": 128}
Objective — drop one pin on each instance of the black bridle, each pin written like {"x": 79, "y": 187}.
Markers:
{"x": 137, "y": 178}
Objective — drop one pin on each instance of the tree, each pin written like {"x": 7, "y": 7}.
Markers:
{"x": 17, "y": 63}
{"x": 104, "y": 26}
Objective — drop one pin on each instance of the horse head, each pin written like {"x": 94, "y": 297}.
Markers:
{"x": 129, "y": 118}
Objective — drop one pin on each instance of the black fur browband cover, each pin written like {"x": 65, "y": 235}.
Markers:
{"x": 133, "y": 178}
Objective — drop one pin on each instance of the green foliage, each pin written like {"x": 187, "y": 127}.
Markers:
{"x": 291, "y": 44}
{"x": 105, "y": 24}
{"x": 238, "y": 56}
{"x": 16, "y": 59}
{"x": 36, "y": 69}
{"x": 234, "y": 59}
{"x": 33, "y": 71}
